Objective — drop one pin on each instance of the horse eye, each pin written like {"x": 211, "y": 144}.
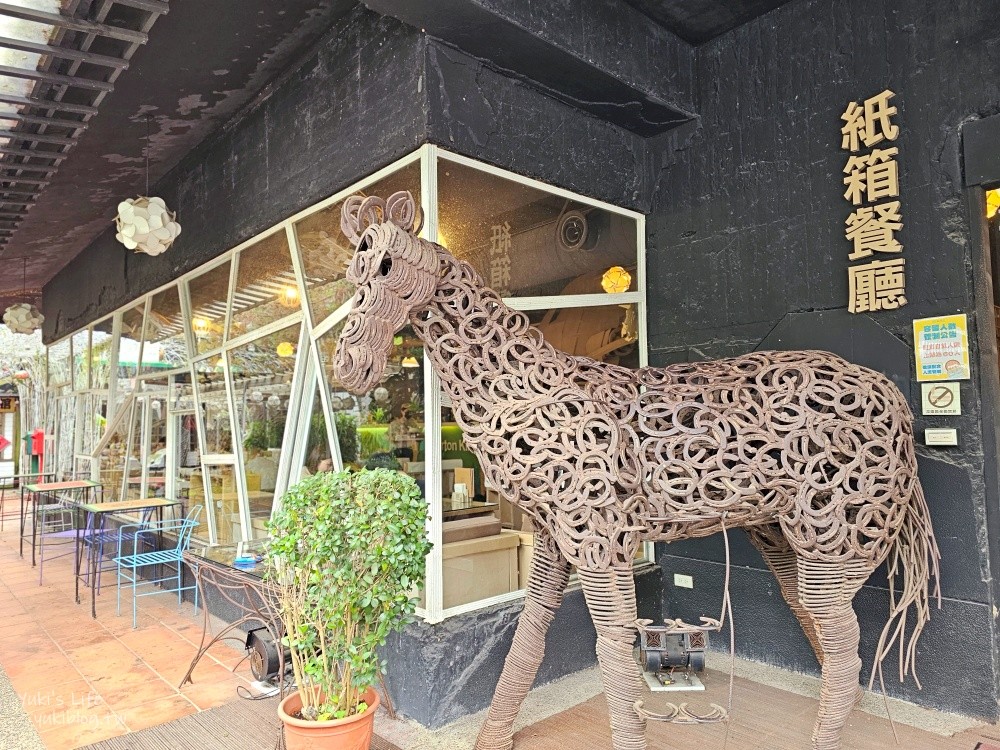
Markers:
{"x": 385, "y": 267}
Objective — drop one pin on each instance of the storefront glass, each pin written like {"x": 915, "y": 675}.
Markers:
{"x": 257, "y": 405}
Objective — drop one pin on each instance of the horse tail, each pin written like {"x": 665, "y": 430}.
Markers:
{"x": 912, "y": 563}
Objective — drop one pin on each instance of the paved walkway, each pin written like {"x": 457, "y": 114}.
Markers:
{"x": 80, "y": 680}
{"x": 16, "y": 730}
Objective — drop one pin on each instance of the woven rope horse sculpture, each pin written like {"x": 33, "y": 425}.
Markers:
{"x": 812, "y": 455}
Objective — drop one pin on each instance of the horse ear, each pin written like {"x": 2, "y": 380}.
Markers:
{"x": 403, "y": 211}
{"x": 359, "y": 213}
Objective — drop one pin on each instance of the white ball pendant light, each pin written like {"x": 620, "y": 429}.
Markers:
{"x": 145, "y": 224}
{"x": 23, "y": 317}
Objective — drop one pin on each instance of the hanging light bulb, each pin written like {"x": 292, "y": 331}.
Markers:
{"x": 274, "y": 401}
{"x": 145, "y": 224}
{"x": 285, "y": 349}
{"x": 23, "y": 317}
{"x": 289, "y": 297}
{"x": 257, "y": 397}
{"x": 616, "y": 280}
{"x": 992, "y": 202}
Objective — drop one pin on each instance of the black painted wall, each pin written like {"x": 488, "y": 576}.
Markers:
{"x": 746, "y": 251}
{"x": 351, "y": 107}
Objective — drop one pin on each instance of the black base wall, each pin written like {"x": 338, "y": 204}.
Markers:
{"x": 439, "y": 673}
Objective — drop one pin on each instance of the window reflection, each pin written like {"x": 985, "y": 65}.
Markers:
{"x": 389, "y": 419}
{"x": 326, "y": 252}
{"x": 209, "y": 294}
{"x": 266, "y": 289}
{"x": 262, "y": 384}
{"x": 165, "y": 345}
{"x": 526, "y": 242}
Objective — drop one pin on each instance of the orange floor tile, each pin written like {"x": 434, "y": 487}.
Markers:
{"x": 82, "y": 680}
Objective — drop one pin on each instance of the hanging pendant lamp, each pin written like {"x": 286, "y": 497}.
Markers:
{"x": 145, "y": 224}
{"x": 23, "y": 317}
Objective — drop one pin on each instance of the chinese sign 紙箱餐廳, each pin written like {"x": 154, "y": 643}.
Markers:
{"x": 942, "y": 348}
{"x": 870, "y": 179}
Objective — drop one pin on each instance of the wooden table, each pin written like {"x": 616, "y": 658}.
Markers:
{"x": 30, "y": 494}
{"x": 93, "y": 524}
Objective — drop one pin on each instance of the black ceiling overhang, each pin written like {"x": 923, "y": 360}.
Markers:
{"x": 531, "y": 46}
{"x": 76, "y": 148}
{"x": 698, "y": 21}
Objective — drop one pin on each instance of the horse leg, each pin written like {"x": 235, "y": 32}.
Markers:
{"x": 546, "y": 583}
{"x": 780, "y": 558}
{"x": 610, "y": 595}
{"x": 826, "y": 590}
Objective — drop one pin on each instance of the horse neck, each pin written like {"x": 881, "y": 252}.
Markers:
{"x": 461, "y": 297}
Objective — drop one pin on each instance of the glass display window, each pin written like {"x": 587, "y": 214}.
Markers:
{"x": 266, "y": 288}
{"x": 130, "y": 345}
{"x": 389, "y": 419}
{"x": 237, "y": 398}
{"x": 326, "y": 253}
{"x": 214, "y": 486}
{"x": 528, "y": 242}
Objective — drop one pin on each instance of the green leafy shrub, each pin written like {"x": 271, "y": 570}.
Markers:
{"x": 348, "y": 551}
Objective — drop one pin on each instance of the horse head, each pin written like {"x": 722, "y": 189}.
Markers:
{"x": 395, "y": 273}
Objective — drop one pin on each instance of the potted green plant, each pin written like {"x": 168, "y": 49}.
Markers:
{"x": 347, "y": 550}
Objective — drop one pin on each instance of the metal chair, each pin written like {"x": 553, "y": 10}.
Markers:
{"x": 96, "y": 539}
{"x": 56, "y": 524}
{"x": 129, "y": 564}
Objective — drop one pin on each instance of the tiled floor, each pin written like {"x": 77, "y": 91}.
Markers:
{"x": 82, "y": 680}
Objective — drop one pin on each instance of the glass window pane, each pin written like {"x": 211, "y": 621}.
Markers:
{"x": 100, "y": 354}
{"x": 266, "y": 289}
{"x": 317, "y": 455}
{"x": 326, "y": 251}
{"x": 112, "y": 457}
{"x": 215, "y": 408}
{"x": 209, "y": 293}
{"x": 224, "y": 506}
{"x": 59, "y": 364}
{"x": 165, "y": 346}
{"x": 526, "y": 242}
{"x": 262, "y": 383}
{"x": 67, "y": 435}
{"x": 129, "y": 349}
{"x": 607, "y": 333}
{"x": 81, "y": 360}
{"x": 133, "y": 465}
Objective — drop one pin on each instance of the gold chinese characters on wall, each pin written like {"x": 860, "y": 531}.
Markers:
{"x": 871, "y": 179}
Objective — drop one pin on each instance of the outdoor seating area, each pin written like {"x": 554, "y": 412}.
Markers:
{"x": 81, "y": 681}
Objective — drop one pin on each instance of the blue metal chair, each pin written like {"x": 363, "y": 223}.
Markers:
{"x": 96, "y": 539}
{"x": 130, "y": 563}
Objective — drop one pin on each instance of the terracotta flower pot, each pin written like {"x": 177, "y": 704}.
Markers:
{"x": 352, "y": 733}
